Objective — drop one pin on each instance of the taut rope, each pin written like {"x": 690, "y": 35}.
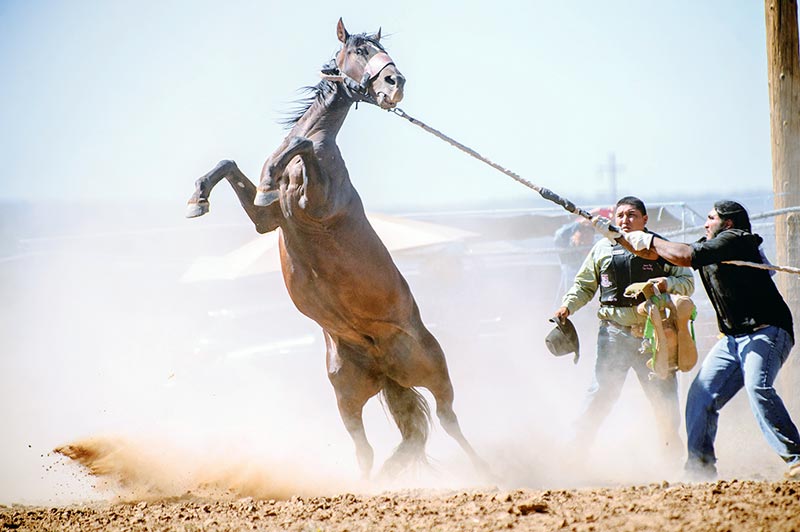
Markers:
{"x": 549, "y": 194}
{"x": 544, "y": 192}
{"x": 788, "y": 269}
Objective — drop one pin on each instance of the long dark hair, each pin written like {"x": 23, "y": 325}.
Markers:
{"x": 316, "y": 93}
{"x": 735, "y": 212}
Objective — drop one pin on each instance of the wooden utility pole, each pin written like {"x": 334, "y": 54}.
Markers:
{"x": 784, "y": 99}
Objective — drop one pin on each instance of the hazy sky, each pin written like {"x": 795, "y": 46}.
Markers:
{"x": 129, "y": 100}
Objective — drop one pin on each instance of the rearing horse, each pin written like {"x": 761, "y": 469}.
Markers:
{"x": 337, "y": 270}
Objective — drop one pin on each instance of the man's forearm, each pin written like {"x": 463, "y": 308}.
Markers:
{"x": 648, "y": 254}
{"x": 675, "y": 253}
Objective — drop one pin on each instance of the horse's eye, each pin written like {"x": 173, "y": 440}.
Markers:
{"x": 389, "y": 80}
{"x": 361, "y": 51}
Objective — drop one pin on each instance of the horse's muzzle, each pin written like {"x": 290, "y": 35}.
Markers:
{"x": 390, "y": 100}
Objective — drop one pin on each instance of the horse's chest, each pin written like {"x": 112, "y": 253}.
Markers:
{"x": 339, "y": 298}
{"x": 315, "y": 287}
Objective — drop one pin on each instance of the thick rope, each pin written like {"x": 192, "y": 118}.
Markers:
{"x": 545, "y": 193}
{"x": 549, "y": 194}
{"x": 787, "y": 269}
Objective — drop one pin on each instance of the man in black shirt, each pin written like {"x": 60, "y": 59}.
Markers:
{"x": 757, "y": 325}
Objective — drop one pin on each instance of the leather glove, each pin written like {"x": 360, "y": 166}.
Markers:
{"x": 601, "y": 225}
{"x": 639, "y": 240}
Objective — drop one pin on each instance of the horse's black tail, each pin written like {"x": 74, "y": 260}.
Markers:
{"x": 411, "y": 413}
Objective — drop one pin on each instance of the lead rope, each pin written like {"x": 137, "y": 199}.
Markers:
{"x": 549, "y": 194}
{"x": 788, "y": 269}
{"x": 544, "y": 192}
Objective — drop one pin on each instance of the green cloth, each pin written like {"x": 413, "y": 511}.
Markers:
{"x": 650, "y": 332}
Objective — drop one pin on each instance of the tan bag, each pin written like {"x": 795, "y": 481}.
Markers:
{"x": 671, "y": 341}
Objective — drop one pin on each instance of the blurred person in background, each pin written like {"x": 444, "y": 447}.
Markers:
{"x": 573, "y": 240}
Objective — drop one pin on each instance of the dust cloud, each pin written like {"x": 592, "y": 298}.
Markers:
{"x": 138, "y": 470}
{"x": 157, "y": 387}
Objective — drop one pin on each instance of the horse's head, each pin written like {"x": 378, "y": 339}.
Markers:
{"x": 367, "y": 67}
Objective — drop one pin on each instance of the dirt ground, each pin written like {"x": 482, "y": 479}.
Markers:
{"x": 722, "y": 505}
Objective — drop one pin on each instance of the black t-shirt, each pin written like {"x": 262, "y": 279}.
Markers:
{"x": 744, "y": 298}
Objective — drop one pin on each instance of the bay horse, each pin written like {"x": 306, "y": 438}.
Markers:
{"x": 335, "y": 267}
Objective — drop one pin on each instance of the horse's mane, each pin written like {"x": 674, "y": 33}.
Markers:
{"x": 321, "y": 90}
{"x": 318, "y": 92}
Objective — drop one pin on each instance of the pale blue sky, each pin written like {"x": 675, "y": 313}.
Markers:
{"x": 125, "y": 100}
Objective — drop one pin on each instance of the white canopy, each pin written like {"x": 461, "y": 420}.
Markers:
{"x": 260, "y": 255}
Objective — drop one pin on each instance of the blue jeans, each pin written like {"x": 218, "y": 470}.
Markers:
{"x": 618, "y": 352}
{"x": 749, "y": 361}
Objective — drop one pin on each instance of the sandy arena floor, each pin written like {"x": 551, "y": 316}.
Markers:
{"x": 722, "y": 505}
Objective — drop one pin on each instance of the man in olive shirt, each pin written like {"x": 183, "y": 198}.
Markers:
{"x": 610, "y": 268}
{"x": 758, "y": 335}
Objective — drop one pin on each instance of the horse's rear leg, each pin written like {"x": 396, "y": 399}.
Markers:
{"x": 443, "y": 394}
{"x": 351, "y": 412}
{"x": 354, "y": 385}
{"x": 426, "y": 366}
{"x": 265, "y": 219}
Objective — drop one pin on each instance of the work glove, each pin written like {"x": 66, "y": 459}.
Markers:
{"x": 601, "y": 225}
{"x": 639, "y": 240}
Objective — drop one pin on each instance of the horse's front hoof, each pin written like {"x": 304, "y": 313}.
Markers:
{"x": 264, "y": 199}
{"x": 195, "y": 209}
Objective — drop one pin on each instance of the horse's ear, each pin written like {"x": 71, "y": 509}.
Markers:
{"x": 341, "y": 32}
{"x": 378, "y": 35}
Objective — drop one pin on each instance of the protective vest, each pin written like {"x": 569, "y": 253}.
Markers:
{"x": 623, "y": 269}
